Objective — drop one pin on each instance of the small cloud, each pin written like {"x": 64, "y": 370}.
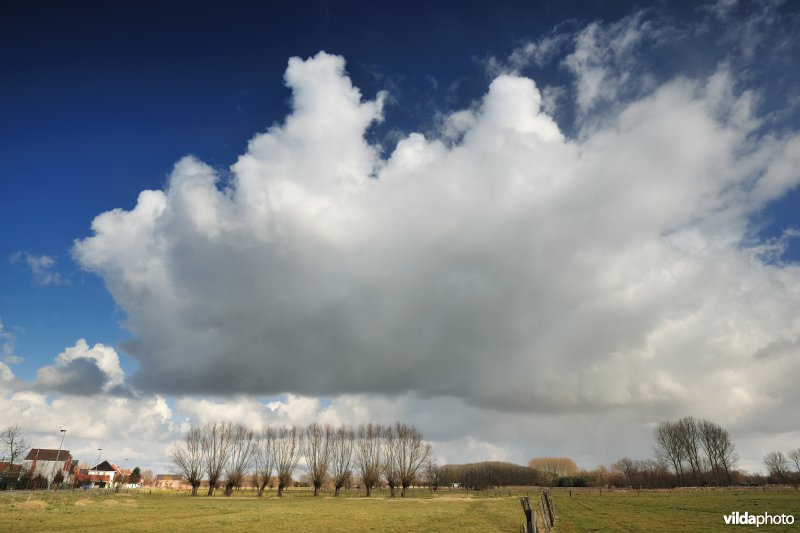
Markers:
{"x": 81, "y": 370}
{"x": 7, "y": 346}
{"x": 40, "y": 266}
{"x": 12, "y": 359}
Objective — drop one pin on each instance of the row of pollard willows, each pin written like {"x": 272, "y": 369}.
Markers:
{"x": 216, "y": 451}
{"x": 547, "y": 511}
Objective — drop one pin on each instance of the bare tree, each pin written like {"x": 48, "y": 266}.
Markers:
{"x": 263, "y": 459}
{"x": 216, "y": 450}
{"x": 391, "y": 461}
{"x": 14, "y": 445}
{"x": 710, "y": 433}
{"x": 412, "y": 454}
{"x": 669, "y": 448}
{"x": 318, "y": 440}
{"x": 288, "y": 449}
{"x": 630, "y": 469}
{"x": 433, "y": 474}
{"x": 148, "y": 478}
{"x": 689, "y": 437}
{"x": 242, "y": 446}
{"x": 794, "y": 456}
{"x": 188, "y": 458}
{"x": 368, "y": 455}
{"x": 727, "y": 455}
{"x": 777, "y": 466}
{"x": 342, "y": 457}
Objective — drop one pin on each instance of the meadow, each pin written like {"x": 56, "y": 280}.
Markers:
{"x": 578, "y": 510}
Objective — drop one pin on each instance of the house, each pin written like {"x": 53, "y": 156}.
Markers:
{"x": 9, "y": 474}
{"x": 105, "y": 474}
{"x": 169, "y": 481}
{"x": 48, "y": 463}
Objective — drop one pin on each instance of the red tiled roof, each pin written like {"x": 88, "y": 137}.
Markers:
{"x": 105, "y": 466}
{"x": 37, "y": 454}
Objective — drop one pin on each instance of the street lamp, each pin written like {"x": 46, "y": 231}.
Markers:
{"x": 98, "y": 460}
{"x": 58, "y": 455}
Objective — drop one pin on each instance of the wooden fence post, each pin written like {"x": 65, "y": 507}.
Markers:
{"x": 530, "y": 516}
{"x": 542, "y": 512}
{"x": 551, "y": 511}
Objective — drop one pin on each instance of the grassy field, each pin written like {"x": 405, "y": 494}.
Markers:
{"x": 670, "y": 510}
{"x": 583, "y": 511}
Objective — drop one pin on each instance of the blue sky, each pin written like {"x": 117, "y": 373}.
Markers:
{"x": 99, "y": 102}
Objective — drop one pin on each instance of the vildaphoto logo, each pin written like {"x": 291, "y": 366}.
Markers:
{"x": 766, "y": 519}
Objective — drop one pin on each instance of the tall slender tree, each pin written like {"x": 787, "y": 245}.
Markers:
{"x": 412, "y": 454}
{"x": 188, "y": 459}
{"x": 689, "y": 438}
{"x": 369, "y": 458}
{"x": 391, "y": 459}
{"x": 288, "y": 448}
{"x": 318, "y": 441}
{"x": 263, "y": 459}
{"x": 669, "y": 448}
{"x": 217, "y": 441}
{"x": 242, "y": 447}
{"x": 342, "y": 456}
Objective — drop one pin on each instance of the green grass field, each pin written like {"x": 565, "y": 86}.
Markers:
{"x": 583, "y": 511}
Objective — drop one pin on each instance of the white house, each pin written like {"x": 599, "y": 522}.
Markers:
{"x": 47, "y": 463}
{"x": 105, "y": 474}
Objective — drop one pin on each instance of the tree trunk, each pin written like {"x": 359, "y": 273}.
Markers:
{"x": 338, "y": 487}
{"x": 195, "y": 486}
{"x": 316, "y": 489}
{"x": 210, "y": 490}
{"x": 391, "y": 491}
{"x": 280, "y": 490}
{"x": 261, "y": 490}
{"x": 229, "y": 489}
{"x": 403, "y": 491}
{"x": 369, "y": 490}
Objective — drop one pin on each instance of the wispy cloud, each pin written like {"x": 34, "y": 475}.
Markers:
{"x": 42, "y": 267}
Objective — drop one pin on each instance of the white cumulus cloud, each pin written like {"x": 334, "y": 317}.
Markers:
{"x": 516, "y": 269}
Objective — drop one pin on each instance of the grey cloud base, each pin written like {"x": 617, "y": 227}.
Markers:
{"x": 515, "y": 269}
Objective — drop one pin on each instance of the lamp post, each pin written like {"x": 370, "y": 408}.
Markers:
{"x": 98, "y": 460}
{"x": 58, "y": 455}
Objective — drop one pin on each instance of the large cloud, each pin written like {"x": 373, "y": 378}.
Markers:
{"x": 515, "y": 269}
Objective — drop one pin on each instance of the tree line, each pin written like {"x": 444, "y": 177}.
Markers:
{"x": 479, "y": 476}
{"x": 227, "y": 451}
